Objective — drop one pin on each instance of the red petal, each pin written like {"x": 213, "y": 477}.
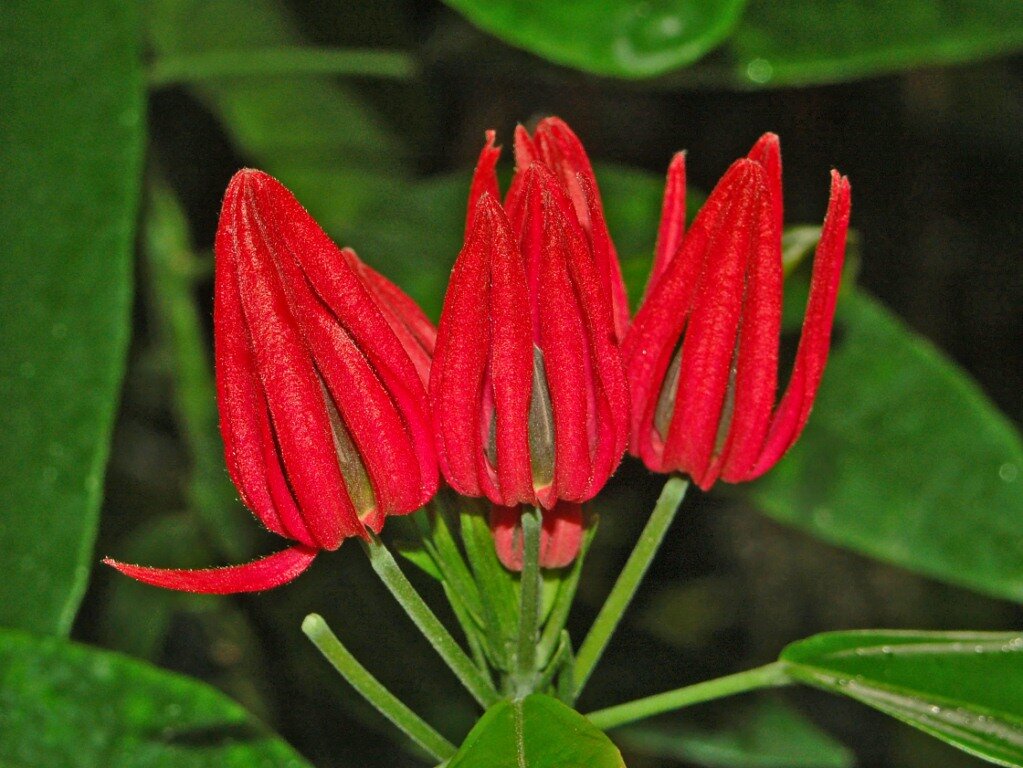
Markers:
{"x": 484, "y": 178}
{"x": 756, "y": 376}
{"x": 249, "y": 449}
{"x": 289, "y": 378}
{"x": 673, "y": 219}
{"x": 767, "y": 152}
{"x": 485, "y": 334}
{"x": 710, "y": 339}
{"x": 654, "y": 336}
{"x": 266, "y": 573}
{"x": 812, "y": 353}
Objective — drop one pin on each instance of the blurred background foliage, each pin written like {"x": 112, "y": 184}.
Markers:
{"x": 120, "y": 126}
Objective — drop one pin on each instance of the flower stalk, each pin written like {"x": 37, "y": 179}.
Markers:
{"x": 628, "y": 581}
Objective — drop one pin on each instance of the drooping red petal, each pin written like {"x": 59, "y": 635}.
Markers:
{"x": 265, "y": 573}
{"x": 812, "y": 353}
{"x": 710, "y": 340}
{"x": 673, "y": 219}
{"x": 561, "y": 534}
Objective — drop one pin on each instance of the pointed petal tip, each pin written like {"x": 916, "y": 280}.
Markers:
{"x": 266, "y": 573}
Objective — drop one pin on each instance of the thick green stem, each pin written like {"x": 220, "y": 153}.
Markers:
{"x": 761, "y": 677}
{"x": 563, "y": 602}
{"x": 417, "y": 609}
{"x": 373, "y": 691}
{"x": 629, "y": 580}
{"x": 529, "y": 603}
{"x": 390, "y": 65}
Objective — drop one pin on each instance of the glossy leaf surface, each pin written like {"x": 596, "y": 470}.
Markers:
{"x": 71, "y": 130}
{"x": 536, "y": 732}
{"x": 68, "y": 704}
{"x": 766, "y": 735}
{"x": 965, "y": 688}
{"x": 905, "y": 460}
{"x": 623, "y": 38}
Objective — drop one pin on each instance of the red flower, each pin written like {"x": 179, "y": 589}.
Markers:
{"x": 702, "y": 353}
{"x": 528, "y": 389}
{"x": 321, "y": 372}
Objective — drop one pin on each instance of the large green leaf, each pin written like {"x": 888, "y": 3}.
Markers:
{"x": 621, "y": 38}
{"x": 803, "y": 41}
{"x": 766, "y": 735}
{"x": 904, "y": 459}
{"x": 63, "y": 704}
{"x": 71, "y": 136}
{"x": 965, "y": 688}
{"x": 535, "y": 732}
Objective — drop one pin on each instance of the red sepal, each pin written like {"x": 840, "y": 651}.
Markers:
{"x": 561, "y": 535}
{"x": 265, "y": 573}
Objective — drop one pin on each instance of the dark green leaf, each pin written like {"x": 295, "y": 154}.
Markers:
{"x": 767, "y": 735}
{"x": 71, "y": 131}
{"x": 801, "y": 42}
{"x": 536, "y": 732}
{"x": 63, "y": 704}
{"x": 965, "y": 688}
{"x": 621, "y": 38}
{"x": 904, "y": 459}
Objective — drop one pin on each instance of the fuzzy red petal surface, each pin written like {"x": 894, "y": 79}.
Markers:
{"x": 265, "y": 573}
{"x": 814, "y": 342}
{"x": 673, "y": 219}
{"x": 484, "y": 178}
{"x": 767, "y": 152}
{"x": 710, "y": 338}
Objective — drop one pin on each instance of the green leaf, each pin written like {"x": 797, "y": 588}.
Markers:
{"x": 965, "y": 688}
{"x": 620, "y": 38}
{"x": 71, "y": 130}
{"x": 801, "y": 42}
{"x": 766, "y": 735}
{"x": 535, "y": 732}
{"x": 904, "y": 459}
{"x": 66, "y": 704}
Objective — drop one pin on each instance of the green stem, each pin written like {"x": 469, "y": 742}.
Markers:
{"x": 417, "y": 609}
{"x": 566, "y": 595}
{"x": 373, "y": 691}
{"x": 389, "y": 65}
{"x": 529, "y": 603}
{"x": 628, "y": 581}
{"x": 761, "y": 677}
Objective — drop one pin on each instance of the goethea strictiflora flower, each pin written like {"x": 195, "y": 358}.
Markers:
{"x": 702, "y": 352}
{"x": 321, "y": 368}
{"x": 528, "y": 389}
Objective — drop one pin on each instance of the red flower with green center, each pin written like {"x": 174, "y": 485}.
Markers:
{"x": 702, "y": 352}
{"x": 321, "y": 370}
{"x": 528, "y": 389}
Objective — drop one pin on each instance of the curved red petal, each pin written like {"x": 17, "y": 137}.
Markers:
{"x": 812, "y": 353}
{"x": 265, "y": 573}
{"x": 672, "y": 226}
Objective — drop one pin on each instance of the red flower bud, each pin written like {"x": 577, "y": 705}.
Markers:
{"x": 702, "y": 353}
{"x": 321, "y": 370}
{"x": 561, "y": 535}
{"x": 528, "y": 389}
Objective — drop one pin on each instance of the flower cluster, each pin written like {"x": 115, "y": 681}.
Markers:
{"x": 341, "y": 404}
